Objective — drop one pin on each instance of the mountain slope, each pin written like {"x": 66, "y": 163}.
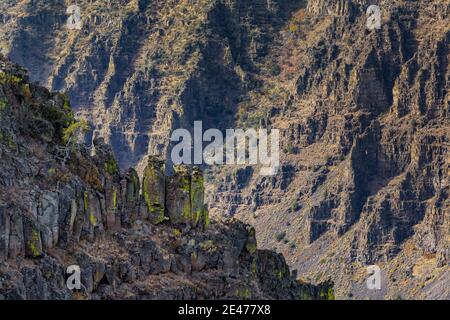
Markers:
{"x": 364, "y": 117}
{"x": 60, "y": 206}
{"x": 366, "y": 129}
{"x": 139, "y": 69}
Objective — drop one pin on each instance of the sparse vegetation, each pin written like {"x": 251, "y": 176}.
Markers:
{"x": 295, "y": 206}
{"x": 289, "y": 149}
{"x": 72, "y": 133}
{"x": 3, "y": 105}
{"x": 112, "y": 167}
{"x": 280, "y": 236}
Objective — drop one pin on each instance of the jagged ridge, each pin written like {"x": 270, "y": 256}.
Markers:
{"x": 61, "y": 206}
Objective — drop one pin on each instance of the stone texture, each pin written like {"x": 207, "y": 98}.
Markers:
{"x": 4, "y": 232}
{"x": 364, "y": 119}
{"x": 365, "y": 130}
{"x": 153, "y": 189}
{"x": 179, "y": 208}
{"x": 66, "y": 207}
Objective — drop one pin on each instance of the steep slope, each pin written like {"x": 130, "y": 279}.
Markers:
{"x": 139, "y": 69}
{"x": 60, "y": 206}
{"x": 366, "y": 130}
{"x": 364, "y": 116}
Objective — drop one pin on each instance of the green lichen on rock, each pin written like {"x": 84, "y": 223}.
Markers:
{"x": 8, "y": 139}
{"x": 112, "y": 167}
{"x": 87, "y": 209}
{"x": 6, "y": 78}
{"x": 115, "y": 199}
{"x": 251, "y": 244}
{"x": 305, "y": 295}
{"x": 243, "y": 293}
{"x": 185, "y": 189}
{"x": 135, "y": 181}
{"x": 34, "y": 244}
{"x": 3, "y": 105}
{"x": 208, "y": 246}
{"x": 330, "y": 294}
{"x": 66, "y": 102}
{"x": 251, "y": 248}
{"x": 177, "y": 233}
{"x": 86, "y": 201}
{"x": 199, "y": 211}
{"x": 92, "y": 219}
{"x": 327, "y": 293}
{"x": 185, "y": 183}
{"x": 133, "y": 186}
{"x": 153, "y": 189}
{"x": 109, "y": 214}
{"x": 178, "y": 199}
{"x": 205, "y": 217}
{"x": 254, "y": 266}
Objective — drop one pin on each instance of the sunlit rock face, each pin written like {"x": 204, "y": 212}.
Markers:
{"x": 363, "y": 116}
{"x": 138, "y": 70}
{"x": 62, "y": 206}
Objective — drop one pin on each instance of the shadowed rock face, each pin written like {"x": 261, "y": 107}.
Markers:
{"x": 365, "y": 125}
{"x": 154, "y": 189}
{"x": 61, "y": 206}
{"x": 363, "y": 114}
{"x": 185, "y": 197}
{"x": 139, "y": 69}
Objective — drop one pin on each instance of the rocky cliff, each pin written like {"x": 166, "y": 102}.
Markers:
{"x": 61, "y": 206}
{"x": 364, "y": 117}
{"x": 365, "y": 121}
{"x": 139, "y": 69}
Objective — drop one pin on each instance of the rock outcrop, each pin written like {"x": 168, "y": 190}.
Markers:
{"x": 61, "y": 206}
{"x": 364, "y": 117}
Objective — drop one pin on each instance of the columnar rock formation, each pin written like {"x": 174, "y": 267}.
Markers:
{"x": 91, "y": 198}
{"x": 61, "y": 206}
{"x": 185, "y": 197}
{"x": 363, "y": 116}
{"x": 154, "y": 190}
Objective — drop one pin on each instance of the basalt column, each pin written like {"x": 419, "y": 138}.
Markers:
{"x": 198, "y": 208}
{"x": 153, "y": 190}
{"x": 178, "y": 196}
